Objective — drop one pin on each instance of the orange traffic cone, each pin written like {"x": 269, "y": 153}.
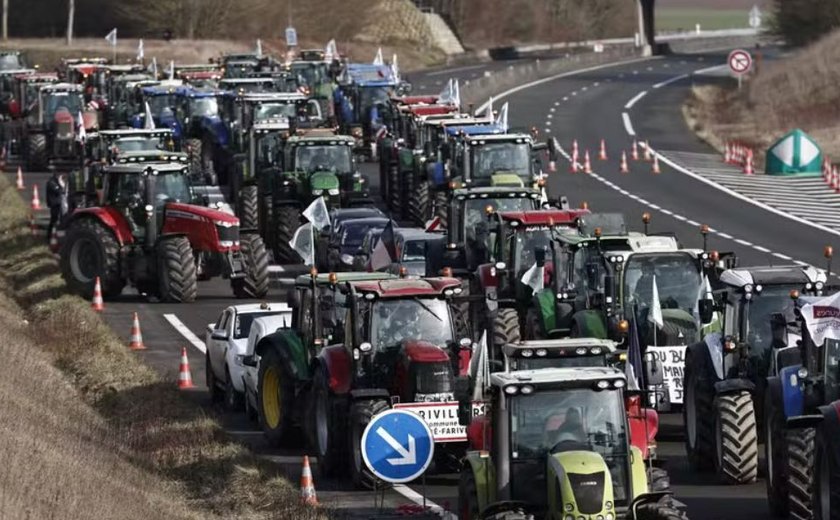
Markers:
{"x": 136, "y": 340}
{"x": 54, "y": 240}
{"x": 656, "y": 169}
{"x": 835, "y": 182}
{"x": 587, "y": 164}
{"x": 646, "y": 145}
{"x": 575, "y": 147}
{"x": 19, "y": 183}
{"x": 826, "y": 169}
{"x": 748, "y": 163}
{"x": 97, "y": 304}
{"x": 36, "y": 200}
{"x": 573, "y": 168}
{"x": 307, "y": 485}
{"x": 184, "y": 376}
{"x": 624, "y": 168}
{"x": 602, "y": 153}
{"x": 727, "y": 153}
{"x": 634, "y": 152}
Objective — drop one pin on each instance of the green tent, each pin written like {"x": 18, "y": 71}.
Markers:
{"x": 794, "y": 154}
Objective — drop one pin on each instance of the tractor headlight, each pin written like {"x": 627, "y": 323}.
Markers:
{"x": 608, "y": 507}
{"x": 618, "y": 383}
{"x": 333, "y": 191}
{"x": 610, "y": 516}
{"x": 317, "y": 192}
{"x": 580, "y": 351}
{"x": 511, "y": 390}
{"x": 569, "y": 517}
{"x": 526, "y": 353}
{"x": 569, "y": 507}
{"x": 820, "y": 285}
{"x": 802, "y": 373}
{"x": 603, "y": 385}
{"x": 541, "y": 352}
{"x": 527, "y": 390}
{"x": 595, "y": 351}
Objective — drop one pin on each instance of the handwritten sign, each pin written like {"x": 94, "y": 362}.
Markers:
{"x": 673, "y": 366}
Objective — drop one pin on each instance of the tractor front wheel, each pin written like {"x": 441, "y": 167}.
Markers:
{"x": 468, "y": 507}
{"x": 775, "y": 450}
{"x": 255, "y": 260}
{"x": 177, "y": 279}
{"x": 275, "y": 399}
{"x": 698, "y": 415}
{"x": 505, "y": 330}
{"x": 90, "y": 250}
{"x": 418, "y": 204}
{"x": 800, "y": 469}
{"x": 286, "y": 222}
{"x": 36, "y": 152}
{"x": 826, "y": 489}
{"x": 193, "y": 148}
{"x": 326, "y": 424}
{"x": 736, "y": 438}
{"x": 441, "y": 207}
{"x": 247, "y": 207}
{"x": 361, "y": 413}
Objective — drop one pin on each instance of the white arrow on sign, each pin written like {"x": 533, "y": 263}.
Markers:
{"x": 408, "y": 456}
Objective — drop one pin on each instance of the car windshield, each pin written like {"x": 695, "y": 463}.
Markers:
{"x": 242, "y": 325}
{"x": 171, "y": 187}
{"x": 204, "y": 107}
{"x": 475, "y": 210}
{"x": 414, "y": 251}
{"x": 70, "y": 101}
{"x": 353, "y": 234}
{"x": 396, "y": 320}
{"x": 158, "y": 104}
{"x": 137, "y": 144}
{"x": 526, "y": 241}
{"x": 549, "y": 422}
{"x": 771, "y": 299}
{"x": 491, "y": 158}
{"x": 677, "y": 278}
{"x": 267, "y": 111}
{"x": 323, "y": 158}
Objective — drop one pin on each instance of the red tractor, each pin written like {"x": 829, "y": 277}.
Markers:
{"x": 147, "y": 234}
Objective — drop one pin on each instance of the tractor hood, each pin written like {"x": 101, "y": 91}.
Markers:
{"x": 324, "y": 181}
{"x": 201, "y": 212}
{"x": 63, "y": 116}
{"x": 506, "y": 179}
{"x": 418, "y": 351}
{"x": 90, "y": 120}
{"x": 582, "y": 476}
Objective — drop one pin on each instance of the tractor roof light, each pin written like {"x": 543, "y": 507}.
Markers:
{"x": 748, "y": 288}
{"x": 511, "y": 389}
{"x": 828, "y": 251}
{"x": 623, "y": 326}
{"x": 704, "y": 229}
{"x": 526, "y": 353}
{"x": 584, "y": 205}
{"x": 333, "y": 278}
{"x": 802, "y": 373}
{"x": 370, "y": 296}
{"x": 646, "y": 217}
{"x": 603, "y": 384}
{"x": 489, "y": 209}
{"x": 526, "y": 390}
{"x": 597, "y": 232}
{"x": 541, "y": 352}
{"x": 365, "y": 347}
{"x": 403, "y": 271}
{"x": 794, "y": 294}
{"x": 313, "y": 272}
{"x": 446, "y": 271}
{"x": 715, "y": 256}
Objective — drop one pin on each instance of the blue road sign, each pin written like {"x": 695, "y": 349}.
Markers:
{"x": 397, "y": 446}
{"x": 291, "y": 37}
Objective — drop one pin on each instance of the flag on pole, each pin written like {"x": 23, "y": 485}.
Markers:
{"x": 171, "y": 69}
{"x": 502, "y": 120}
{"x": 395, "y": 68}
{"x": 154, "y": 67}
{"x": 331, "y": 51}
{"x": 823, "y": 318}
{"x": 379, "y": 60}
{"x": 385, "y": 251}
{"x": 82, "y": 134}
{"x": 480, "y": 369}
{"x": 303, "y": 244}
{"x": 141, "y": 53}
{"x": 318, "y": 214}
{"x": 633, "y": 365}
{"x": 534, "y": 277}
{"x": 150, "y": 120}
{"x": 259, "y": 48}
{"x": 112, "y": 37}
{"x": 655, "y": 315}
{"x": 543, "y": 197}
{"x": 489, "y": 112}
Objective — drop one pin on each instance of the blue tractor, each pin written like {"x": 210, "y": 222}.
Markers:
{"x": 163, "y": 101}
{"x": 203, "y": 129}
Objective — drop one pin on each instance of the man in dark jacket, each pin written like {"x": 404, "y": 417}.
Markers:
{"x": 56, "y": 200}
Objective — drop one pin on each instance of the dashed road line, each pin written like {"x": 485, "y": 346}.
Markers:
{"x": 635, "y": 100}
{"x": 628, "y": 125}
{"x": 186, "y": 332}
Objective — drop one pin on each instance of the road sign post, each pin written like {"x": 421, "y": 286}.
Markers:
{"x": 740, "y": 62}
{"x": 397, "y": 446}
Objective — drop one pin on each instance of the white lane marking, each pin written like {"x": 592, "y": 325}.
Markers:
{"x": 549, "y": 116}
{"x": 548, "y": 123}
{"x": 635, "y": 99}
{"x": 186, "y": 332}
{"x": 549, "y": 79}
{"x": 552, "y": 109}
{"x": 583, "y": 89}
{"x": 450, "y": 71}
{"x": 574, "y": 92}
{"x": 417, "y": 498}
{"x": 709, "y": 69}
{"x": 627, "y": 124}
{"x": 669, "y": 81}
{"x": 565, "y": 98}
{"x": 596, "y": 84}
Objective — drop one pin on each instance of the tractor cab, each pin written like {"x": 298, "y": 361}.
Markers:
{"x": 52, "y": 128}
{"x": 12, "y": 60}
{"x": 326, "y": 161}
{"x": 92, "y": 74}
{"x": 239, "y": 65}
{"x": 24, "y": 91}
{"x": 248, "y": 84}
{"x": 163, "y": 101}
{"x": 199, "y": 75}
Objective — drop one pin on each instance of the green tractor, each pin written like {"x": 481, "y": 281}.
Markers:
{"x": 560, "y": 449}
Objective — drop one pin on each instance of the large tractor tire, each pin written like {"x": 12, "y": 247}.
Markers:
{"x": 193, "y": 147}
{"x": 468, "y": 508}
{"x": 255, "y": 256}
{"x": 826, "y": 489}
{"x": 736, "y": 438}
{"x": 217, "y": 395}
{"x": 177, "y": 280}
{"x": 505, "y": 330}
{"x": 661, "y": 510}
{"x": 800, "y": 468}
{"x": 326, "y": 425}
{"x": 208, "y": 167}
{"x": 658, "y": 479}
{"x": 441, "y": 207}
{"x": 90, "y": 250}
{"x": 286, "y": 222}
{"x": 394, "y": 195}
{"x": 698, "y": 414}
{"x": 247, "y": 207}
{"x": 36, "y": 152}
{"x": 418, "y": 204}
{"x": 361, "y": 413}
{"x": 275, "y": 399}
{"x": 776, "y": 456}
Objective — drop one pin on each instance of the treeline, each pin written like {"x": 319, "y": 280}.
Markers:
{"x": 801, "y": 22}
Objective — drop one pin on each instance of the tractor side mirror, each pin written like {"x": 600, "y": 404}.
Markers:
{"x": 609, "y": 287}
{"x": 706, "y": 309}
{"x": 539, "y": 256}
{"x": 293, "y": 298}
{"x": 219, "y": 335}
{"x": 654, "y": 370}
{"x": 461, "y": 391}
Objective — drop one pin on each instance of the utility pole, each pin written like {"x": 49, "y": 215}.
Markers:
{"x": 5, "y": 20}
{"x": 647, "y": 39}
{"x": 71, "y": 14}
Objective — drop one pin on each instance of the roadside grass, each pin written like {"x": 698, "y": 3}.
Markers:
{"x": 87, "y": 430}
{"x": 686, "y": 18}
{"x": 797, "y": 91}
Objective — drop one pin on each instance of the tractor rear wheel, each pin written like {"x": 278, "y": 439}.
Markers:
{"x": 826, "y": 489}
{"x": 468, "y": 508}
{"x": 418, "y": 204}
{"x": 660, "y": 510}
{"x": 255, "y": 260}
{"x": 177, "y": 280}
{"x": 193, "y": 147}
{"x": 736, "y": 438}
{"x": 326, "y": 424}
{"x": 275, "y": 399}
{"x": 90, "y": 250}
{"x": 505, "y": 330}
{"x": 698, "y": 414}
{"x": 658, "y": 479}
{"x": 286, "y": 222}
{"x": 441, "y": 207}
{"x": 361, "y": 413}
{"x": 36, "y": 152}
{"x": 247, "y": 207}
{"x": 800, "y": 468}
{"x": 394, "y": 194}
{"x": 775, "y": 450}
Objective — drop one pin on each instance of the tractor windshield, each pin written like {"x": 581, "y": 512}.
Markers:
{"x": 525, "y": 242}
{"x": 204, "y": 107}
{"x": 492, "y": 158}
{"x": 171, "y": 187}
{"x": 396, "y": 320}
{"x": 370, "y": 96}
{"x": 676, "y": 276}
{"x": 10, "y": 62}
{"x": 267, "y": 111}
{"x": 310, "y": 74}
{"x": 414, "y": 251}
{"x": 475, "y": 210}
{"x": 548, "y": 422}
{"x": 137, "y": 144}
{"x": 771, "y": 299}
{"x": 324, "y": 158}
{"x": 70, "y": 101}
{"x": 269, "y": 149}
{"x": 159, "y": 103}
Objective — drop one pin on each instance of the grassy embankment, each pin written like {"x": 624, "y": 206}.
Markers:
{"x": 798, "y": 91}
{"x": 87, "y": 430}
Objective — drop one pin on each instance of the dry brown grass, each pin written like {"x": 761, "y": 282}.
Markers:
{"x": 799, "y": 91}
{"x": 89, "y": 431}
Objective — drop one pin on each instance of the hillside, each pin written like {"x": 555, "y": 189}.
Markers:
{"x": 798, "y": 91}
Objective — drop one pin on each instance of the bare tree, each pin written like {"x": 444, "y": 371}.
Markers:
{"x": 71, "y": 16}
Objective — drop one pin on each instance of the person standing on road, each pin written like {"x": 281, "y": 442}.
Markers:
{"x": 56, "y": 200}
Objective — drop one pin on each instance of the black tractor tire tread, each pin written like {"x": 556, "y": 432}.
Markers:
{"x": 255, "y": 262}
{"x": 801, "y": 443}
{"x": 505, "y": 330}
{"x": 110, "y": 279}
{"x": 739, "y": 438}
{"x": 441, "y": 207}
{"x": 825, "y": 444}
{"x": 702, "y": 456}
{"x": 331, "y": 463}
{"x": 36, "y": 152}
{"x": 658, "y": 479}
{"x": 777, "y": 487}
{"x": 394, "y": 193}
{"x": 361, "y": 413}
{"x": 661, "y": 510}
{"x": 286, "y": 221}
{"x": 247, "y": 207}
{"x": 468, "y": 508}
{"x": 194, "y": 157}
{"x": 177, "y": 278}
{"x": 418, "y": 204}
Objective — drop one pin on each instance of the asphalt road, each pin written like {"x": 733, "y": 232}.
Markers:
{"x": 586, "y": 107}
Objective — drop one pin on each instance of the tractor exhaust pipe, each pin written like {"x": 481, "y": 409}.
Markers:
{"x": 151, "y": 214}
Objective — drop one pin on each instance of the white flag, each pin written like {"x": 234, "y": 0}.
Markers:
{"x": 150, "y": 120}
{"x": 302, "y": 242}
{"x": 502, "y": 120}
{"x": 456, "y": 96}
{"x": 171, "y": 69}
{"x": 318, "y": 214}
{"x": 534, "y": 277}
{"x": 331, "y": 51}
{"x": 395, "y": 68}
{"x": 379, "y": 257}
{"x": 259, "y": 48}
{"x": 141, "y": 53}
{"x": 655, "y": 315}
{"x": 154, "y": 67}
{"x": 112, "y": 37}
{"x": 82, "y": 135}
{"x": 480, "y": 368}
{"x": 543, "y": 197}
{"x": 823, "y": 318}
{"x": 379, "y": 60}
{"x": 489, "y": 112}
